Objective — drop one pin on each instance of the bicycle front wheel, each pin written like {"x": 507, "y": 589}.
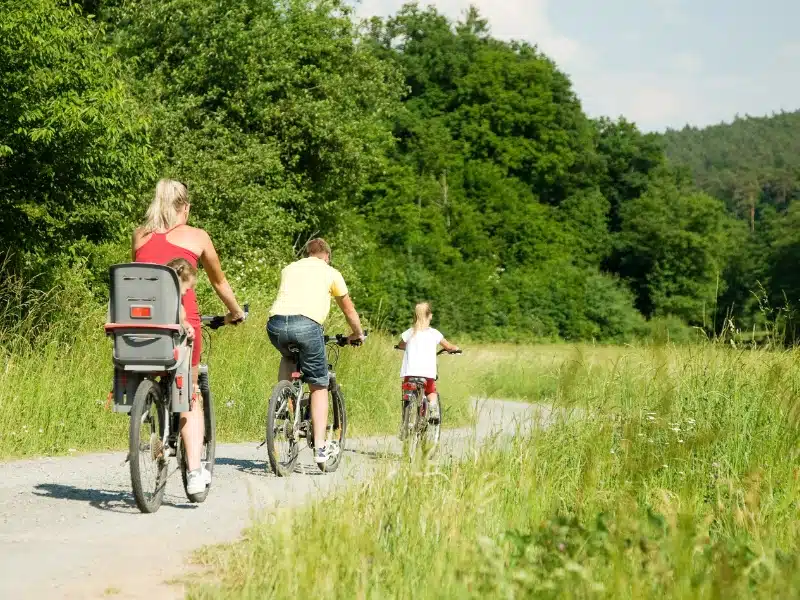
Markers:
{"x": 336, "y": 429}
{"x": 147, "y": 446}
{"x": 209, "y": 440}
{"x": 282, "y": 439}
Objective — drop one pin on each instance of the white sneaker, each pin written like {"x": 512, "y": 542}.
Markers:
{"x": 196, "y": 481}
{"x": 321, "y": 455}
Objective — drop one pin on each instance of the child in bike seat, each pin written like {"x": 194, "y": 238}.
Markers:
{"x": 419, "y": 359}
{"x": 187, "y": 276}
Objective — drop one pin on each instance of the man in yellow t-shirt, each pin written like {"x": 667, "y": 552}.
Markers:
{"x": 296, "y": 319}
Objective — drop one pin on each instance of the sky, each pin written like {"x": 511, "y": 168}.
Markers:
{"x": 660, "y": 63}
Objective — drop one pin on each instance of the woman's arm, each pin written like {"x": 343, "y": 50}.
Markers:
{"x": 218, "y": 281}
{"x": 448, "y": 346}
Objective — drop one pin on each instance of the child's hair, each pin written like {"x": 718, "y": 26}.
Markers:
{"x": 186, "y": 271}
{"x": 422, "y": 316}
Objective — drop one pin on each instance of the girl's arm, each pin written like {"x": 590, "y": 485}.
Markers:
{"x": 448, "y": 346}
{"x": 186, "y": 325}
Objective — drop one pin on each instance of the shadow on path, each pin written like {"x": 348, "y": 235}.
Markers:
{"x": 112, "y": 501}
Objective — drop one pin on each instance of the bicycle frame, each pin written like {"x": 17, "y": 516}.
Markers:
{"x": 299, "y": 387}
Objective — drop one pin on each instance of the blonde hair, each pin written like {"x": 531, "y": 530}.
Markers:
{"x": 163, "y": 212}
{"x": 422, "y": 316}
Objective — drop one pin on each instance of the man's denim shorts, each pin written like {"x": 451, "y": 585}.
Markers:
{"x": 304, "y": 334}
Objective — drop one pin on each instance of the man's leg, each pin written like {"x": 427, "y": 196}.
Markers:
{"x": 286, "y": 368}
{"x": 319, "y": 413}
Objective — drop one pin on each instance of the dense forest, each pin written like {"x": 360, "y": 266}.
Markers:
{"x": 441, "y": 163}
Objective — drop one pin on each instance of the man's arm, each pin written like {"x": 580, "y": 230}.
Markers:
{"x": 350, "y": 314}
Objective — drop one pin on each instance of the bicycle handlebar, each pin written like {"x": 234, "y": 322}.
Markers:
{"x": 342, "y": 340}
{"x": 217, "y": 321}
{"x": 442, "y": 351}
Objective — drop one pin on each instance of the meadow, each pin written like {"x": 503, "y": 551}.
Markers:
{"x": 53, "y": 394}
{"x": 672, "y": 473}
{"x": 677, "y": 478}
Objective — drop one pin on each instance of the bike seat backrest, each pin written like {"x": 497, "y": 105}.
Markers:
{"x": 145, "y": 315}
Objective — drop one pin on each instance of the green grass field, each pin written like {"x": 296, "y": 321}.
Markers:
{"x": 53, "y": 396}
{"x": 679, "y": 480}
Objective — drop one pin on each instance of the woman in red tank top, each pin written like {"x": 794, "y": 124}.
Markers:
{"x": 164, "y": 236}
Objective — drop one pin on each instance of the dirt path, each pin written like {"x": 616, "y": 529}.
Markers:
{"x": 69, "y": 527}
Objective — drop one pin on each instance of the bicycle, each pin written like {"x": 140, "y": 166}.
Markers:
{"x": 416, "y": 425}
{"x": 153, "y": 379}
{"x": 291, "y": 419}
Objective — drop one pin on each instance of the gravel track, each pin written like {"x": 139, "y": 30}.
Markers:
{"x": 69, "y": 527}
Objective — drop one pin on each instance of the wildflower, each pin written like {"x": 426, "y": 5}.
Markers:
{"x": 680, "y": 441}
{"x": 41, "y": 430}
{"x": 230, "y": 403}
{"x": 612, "y": 451}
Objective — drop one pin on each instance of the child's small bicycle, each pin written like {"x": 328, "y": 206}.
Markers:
{"x": 418, "y": 427}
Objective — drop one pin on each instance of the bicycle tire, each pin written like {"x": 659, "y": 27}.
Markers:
{"x": 410, "y": 425}
{"x": 339, "y": 412}
{"x": 148, "y": 393}
{"x": 209, "y": 441}
{"x": 433, "y": 432}
{"x": 286, "y": 468}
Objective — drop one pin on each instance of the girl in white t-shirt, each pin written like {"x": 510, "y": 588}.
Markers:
{"x": 419, "y": 360}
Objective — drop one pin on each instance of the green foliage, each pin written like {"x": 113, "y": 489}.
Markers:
{"x": 74, "y": 144}
{"x": 751, "y": 165}
{"x": 672, "y": 247}
{"x": 445, "y": 165}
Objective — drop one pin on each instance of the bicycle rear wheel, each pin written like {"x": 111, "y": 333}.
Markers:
{"x": 410, "y": 426}
{"x": 147, "y": 446}
{"x": 432, "y": 432}
{"x": 336, "y": 429}
{"x": 209, "y": 440}
{"x": 282, "y": 445}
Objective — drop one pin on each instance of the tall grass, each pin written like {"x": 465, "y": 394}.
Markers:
{"x": 676, "y": 479}
{"x": 54, "y": 381}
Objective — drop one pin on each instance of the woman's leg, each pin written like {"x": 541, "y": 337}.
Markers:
{"x": 192, "y": 423}
{"x": 193, "y": 427}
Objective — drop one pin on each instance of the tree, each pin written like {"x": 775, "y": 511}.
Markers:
{"x": 672, "y": 249}
{"x": 74, "y": 145}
